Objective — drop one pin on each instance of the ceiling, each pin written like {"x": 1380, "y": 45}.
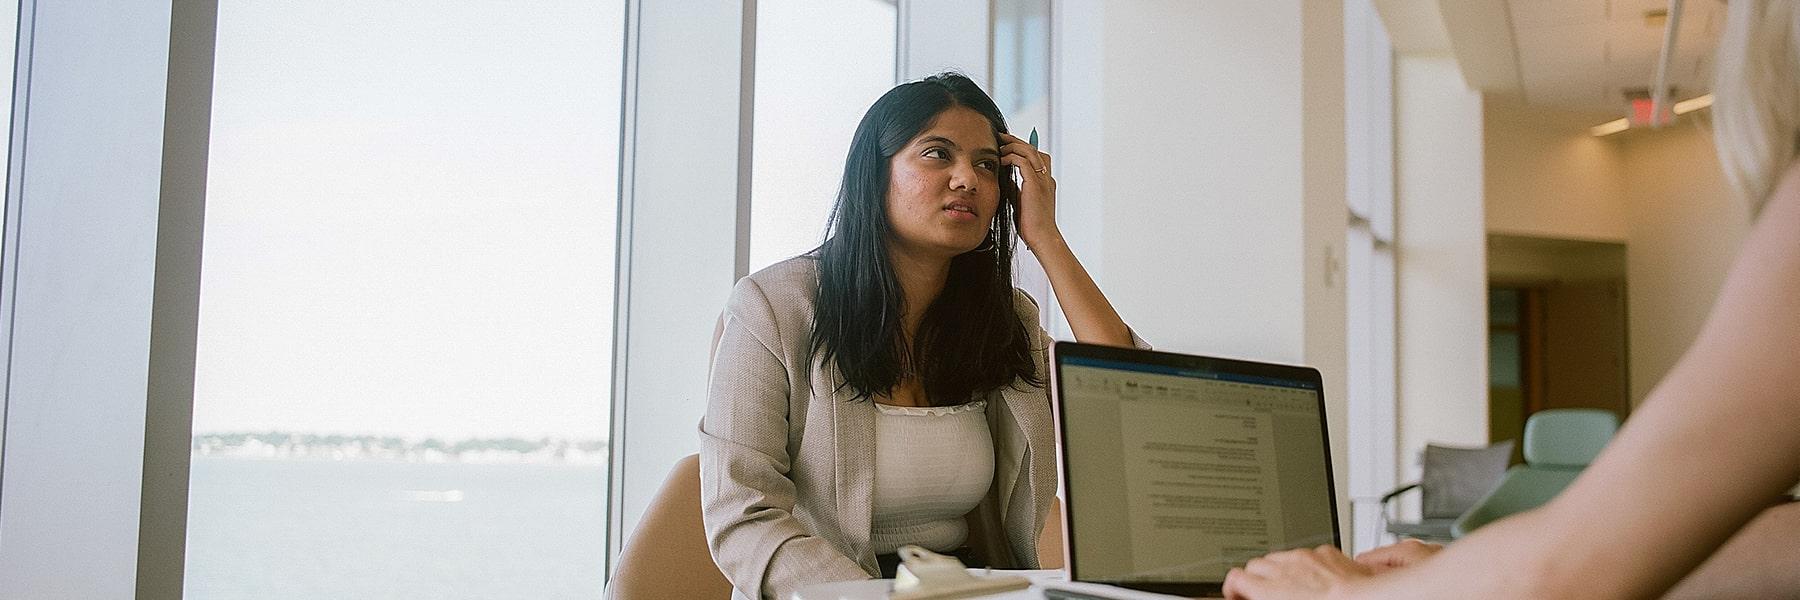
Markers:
{"x": 1583, "y": 54}
{"x": 1577, "y": 55}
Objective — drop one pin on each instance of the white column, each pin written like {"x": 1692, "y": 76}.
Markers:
{"x": 684, "y": 197}
{"x": 1325, "y": 215}
{"x": 85, "y": 188}
{"x": 1441, "y": 258}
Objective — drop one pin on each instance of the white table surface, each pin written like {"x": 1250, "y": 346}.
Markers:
{"x": 877, "y": 589}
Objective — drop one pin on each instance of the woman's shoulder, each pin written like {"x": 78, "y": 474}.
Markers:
{"x": 791, "y": 282}
{"x": 781, "y": 294}
{"x": 1026, "y": 305}
{"x": 797, "y": 272}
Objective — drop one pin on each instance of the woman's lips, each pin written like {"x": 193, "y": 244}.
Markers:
{"x": 960, "y": 211}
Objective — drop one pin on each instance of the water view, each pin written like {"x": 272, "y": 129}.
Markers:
{"x": 264, "y": 522}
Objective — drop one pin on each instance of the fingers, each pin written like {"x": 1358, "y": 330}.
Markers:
{"x": 1404, "y": 553}
{"x": 1011, "y": 145}
{"x": 1241, "y": 585}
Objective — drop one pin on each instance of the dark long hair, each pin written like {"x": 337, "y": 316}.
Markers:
{"x": 971, "y": 340}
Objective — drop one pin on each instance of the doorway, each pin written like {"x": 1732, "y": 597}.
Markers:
{"x": 1556, "y": 331}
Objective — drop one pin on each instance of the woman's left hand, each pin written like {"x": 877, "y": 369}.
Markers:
{"x": 1315, "y": 573}
{"x": 1037, "y": 191}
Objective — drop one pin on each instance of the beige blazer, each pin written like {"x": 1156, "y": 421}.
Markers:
{"x": 787, "y": 461}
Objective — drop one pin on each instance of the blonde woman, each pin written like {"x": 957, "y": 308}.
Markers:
{"x": 1712, "y": 446}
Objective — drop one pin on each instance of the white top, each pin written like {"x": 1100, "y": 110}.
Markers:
{"x": 932, "y": 466}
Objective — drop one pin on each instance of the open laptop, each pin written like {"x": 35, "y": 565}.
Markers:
{"x": 1177, "y": 468}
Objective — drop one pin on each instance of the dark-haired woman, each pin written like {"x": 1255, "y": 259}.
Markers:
{"x": 888, "y": 388}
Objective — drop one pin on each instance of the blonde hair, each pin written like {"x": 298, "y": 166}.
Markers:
{"x": 1756, "y": 112}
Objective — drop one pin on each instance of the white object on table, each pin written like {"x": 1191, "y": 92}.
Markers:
{"x": 927, "y": 575}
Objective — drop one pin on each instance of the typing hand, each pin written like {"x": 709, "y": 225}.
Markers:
{"x": 1314, "y": 573}
{"x": 1394, "y": 556}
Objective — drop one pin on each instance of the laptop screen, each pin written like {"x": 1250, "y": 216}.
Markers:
{"x": 1178, "y": 467}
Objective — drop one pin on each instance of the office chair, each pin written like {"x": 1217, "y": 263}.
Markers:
{"x": 1452, "y": 481}
{"x": 1559, "y": 443}
{"x": 1050, "y": 539}
{"x": 667, "y": 556}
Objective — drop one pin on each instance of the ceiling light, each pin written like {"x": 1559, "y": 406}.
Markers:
{"x": 1692, "y": 104}
{"x": 1610, "y": 127}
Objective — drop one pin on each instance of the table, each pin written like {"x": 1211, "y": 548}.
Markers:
{"x": 877, "y": 589}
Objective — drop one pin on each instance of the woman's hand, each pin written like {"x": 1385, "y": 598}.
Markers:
{"x": 1037, "y": 191}
{"x": 1405, "y": 553}
{"x": 1314, "y": 573}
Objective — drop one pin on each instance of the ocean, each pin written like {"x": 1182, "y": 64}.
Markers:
{"x": 308, "y": 529}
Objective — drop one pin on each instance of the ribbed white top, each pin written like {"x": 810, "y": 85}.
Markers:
{"x": 932, "y": 466}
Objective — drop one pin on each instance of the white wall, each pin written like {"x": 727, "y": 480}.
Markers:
{"x": 1442, "y": 295}
{"x": 1685, "y": 227}
{"x": 944, "y": 35}
{"x": 1202, "y": 228}
{"x": 1548, "y": 177}
{"x": 1202, "y": 175}
{"x": 684, "y": 193}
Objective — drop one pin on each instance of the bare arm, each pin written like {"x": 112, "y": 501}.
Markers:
{"x": 1758, "y": 562}
{"x": 1090, "y": 315}
{"x": 1716, "y": 442}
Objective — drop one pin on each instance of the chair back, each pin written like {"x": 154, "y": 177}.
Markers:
{"x": 667, "y": 556}
{"x": 1454, "y": 479}
{"x": 1567, "y": 438}
{"x": 1050, "y": 540}
{"x": 1559, "y": 443}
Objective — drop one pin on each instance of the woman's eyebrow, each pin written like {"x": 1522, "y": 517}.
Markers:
{"x": 938, "y": 139}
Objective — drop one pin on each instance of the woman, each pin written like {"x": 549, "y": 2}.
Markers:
{"x": 1714, "y": 444}
{"x": 888, "y": 387}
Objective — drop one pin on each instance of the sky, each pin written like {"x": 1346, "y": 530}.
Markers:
{"x": 411, "y": 206}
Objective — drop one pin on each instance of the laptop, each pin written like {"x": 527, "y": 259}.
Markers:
{"x": 1177, "y": 467}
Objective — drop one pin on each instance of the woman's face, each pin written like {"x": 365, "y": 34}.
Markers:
{"x": 944, "y": 186}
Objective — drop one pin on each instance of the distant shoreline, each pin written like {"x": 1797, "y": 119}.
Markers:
{"x": 280, "y": 445}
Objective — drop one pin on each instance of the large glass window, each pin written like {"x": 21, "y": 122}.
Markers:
{"x": 405, "y": 337}
{"x": 819, "y": 65}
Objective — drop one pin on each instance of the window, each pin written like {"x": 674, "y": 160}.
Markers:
{"x": 819, "y": 65}
{"x": 404, "y": 355}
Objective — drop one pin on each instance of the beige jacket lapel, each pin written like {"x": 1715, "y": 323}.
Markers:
{"x": 1030, "y": 453}
{"x": 854, "y": 425}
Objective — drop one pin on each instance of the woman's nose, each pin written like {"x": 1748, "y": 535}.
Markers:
{"x": 964, "y": 177}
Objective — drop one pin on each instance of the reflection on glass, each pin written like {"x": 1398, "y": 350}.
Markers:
{"x": 405, "y": 315}
{"x": 1022, "y": 63}
{"x": 1021, "y": 88}
{"x": 819, "y": 65}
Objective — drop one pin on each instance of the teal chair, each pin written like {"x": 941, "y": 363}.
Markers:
{"x": 1559, "y": 443}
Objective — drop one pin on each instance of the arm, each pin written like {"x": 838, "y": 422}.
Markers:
{"x": 1090, "y": 315}
{"x": 1712, "y": 446}
{"x": 747, "y": 499}
{"x": 1758, "y": 562}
